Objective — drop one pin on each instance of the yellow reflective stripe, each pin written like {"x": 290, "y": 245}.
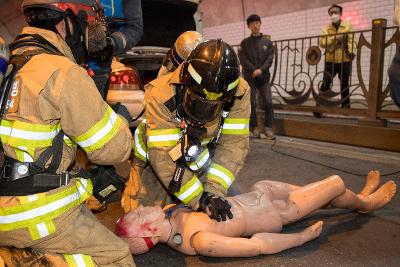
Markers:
{"x": 190, "y": 190}
{"x": 16, "y": 133}
{"x": 46, "y": 208}
{"x": 163, "y": 137}
{"x": 201, "y": 160}
{"x": 102, "y": 132}
{"x": 235, "y": 126}
{"x": 78, "y": 260}
{"x": 139, "y": 147}
{"x": 42, "y": 230}
{"x": 30, "y": 198}
{"x": 205, "y": 142}
{"x": 221, "y": 175}
{"x": 233, "y": 84}
{"x": 69, "y": 142}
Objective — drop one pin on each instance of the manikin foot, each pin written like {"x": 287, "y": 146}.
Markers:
{"x": 373, "y": 181}
{"x": 380, "y": 198}
{"x": 312, "y": 231}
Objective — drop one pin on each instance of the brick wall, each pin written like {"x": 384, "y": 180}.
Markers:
{"x": 309, "y": 23}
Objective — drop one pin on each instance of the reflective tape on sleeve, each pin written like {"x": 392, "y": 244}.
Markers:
{"x": 163, "y": 137}
{"x": 221, "y": 175}
{"x": 101, "y": 133}
{"x": 190, "y": 190}
{"x": 236, "y": 126}
{"x": 139, "y": 148}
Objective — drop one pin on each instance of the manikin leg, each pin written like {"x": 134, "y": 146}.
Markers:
{"x": 307, "y": 199}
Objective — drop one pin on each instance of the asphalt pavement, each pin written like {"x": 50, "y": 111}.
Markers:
{"x": 347, "y": 239}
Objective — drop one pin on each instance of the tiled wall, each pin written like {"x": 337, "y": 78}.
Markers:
{"x": 309, "y": 23}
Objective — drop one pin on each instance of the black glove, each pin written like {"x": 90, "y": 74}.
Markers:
{"x": 105, "y": 181}
{"x": 122, "y": 110}
{"x": 216, "y": 207}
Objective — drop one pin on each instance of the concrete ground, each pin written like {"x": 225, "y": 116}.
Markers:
{"x": 347, "y": 239}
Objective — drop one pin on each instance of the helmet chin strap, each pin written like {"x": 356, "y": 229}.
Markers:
{"x": 75, "y": 40}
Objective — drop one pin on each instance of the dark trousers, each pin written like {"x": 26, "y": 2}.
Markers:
{"x": 343, "y": 70}
{"x": 266, "y": 96}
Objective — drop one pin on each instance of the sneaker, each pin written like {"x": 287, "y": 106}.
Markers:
{"x": 268, "y": 134}
{"x": 255, "y": 133}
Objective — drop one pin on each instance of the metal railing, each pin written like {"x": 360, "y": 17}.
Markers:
{"x": 303, "y": 67}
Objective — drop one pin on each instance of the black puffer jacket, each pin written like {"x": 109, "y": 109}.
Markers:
{"x": 256, "y": 52}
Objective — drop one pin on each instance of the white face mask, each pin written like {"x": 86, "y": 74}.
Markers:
{"x": 335, "y": 18}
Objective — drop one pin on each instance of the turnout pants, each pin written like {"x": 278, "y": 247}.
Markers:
{"x": 56, "y": 228}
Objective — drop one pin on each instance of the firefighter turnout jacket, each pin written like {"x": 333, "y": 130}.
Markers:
{"x": 161, "y": 132}
{"x": 337, "y": 51}
{"x": 52, "y": 93}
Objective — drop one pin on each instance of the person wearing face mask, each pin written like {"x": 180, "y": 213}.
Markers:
{"x": 340, "y": 49}
{"x": 52, "y": 107}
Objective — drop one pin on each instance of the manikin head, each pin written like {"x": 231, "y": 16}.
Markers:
{"x": 141, "y": 228}
{"x": 335, "y": 11}
{"x": 254, "y": 24}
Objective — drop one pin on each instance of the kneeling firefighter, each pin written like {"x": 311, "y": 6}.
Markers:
{"x": 196, "y": 134}
{"x": 51, "y": 106}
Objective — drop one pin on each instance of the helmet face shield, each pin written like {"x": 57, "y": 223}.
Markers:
{"x": 199, "y": 111}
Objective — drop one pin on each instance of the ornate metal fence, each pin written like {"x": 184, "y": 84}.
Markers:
{"x": 302, "y": 71}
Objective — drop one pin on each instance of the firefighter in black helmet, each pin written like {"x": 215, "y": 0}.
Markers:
{"x": 52, "y": 108}
{"x": 195, "y": 136}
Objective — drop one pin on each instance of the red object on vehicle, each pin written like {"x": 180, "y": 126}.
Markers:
{"x": 124, "y": 77}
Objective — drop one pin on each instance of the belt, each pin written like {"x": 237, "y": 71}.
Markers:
{"x": 24, "y": 178}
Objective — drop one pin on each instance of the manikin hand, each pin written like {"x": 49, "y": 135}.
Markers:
{"x": 216, "y": 207}
{"x": 256, "y": 73}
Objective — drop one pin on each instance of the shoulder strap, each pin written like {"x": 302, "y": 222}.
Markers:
{"x": 18, "y": 61}
{"x": 25, "y": 40}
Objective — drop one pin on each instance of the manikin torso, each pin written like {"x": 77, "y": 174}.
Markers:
{"x": 253, "y": 212}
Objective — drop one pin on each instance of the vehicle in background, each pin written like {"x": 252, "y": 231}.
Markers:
{"x": 163, "y": 22}
{"x": 127, "y": 89}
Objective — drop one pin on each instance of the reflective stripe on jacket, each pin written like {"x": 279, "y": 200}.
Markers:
{"x": 335, "y": 51}
{"x": 53, "y": 93}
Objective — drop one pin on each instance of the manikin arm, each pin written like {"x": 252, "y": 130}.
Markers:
{"x": 215, "y": 245}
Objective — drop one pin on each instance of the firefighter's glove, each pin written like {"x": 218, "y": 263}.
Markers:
{"x": 97, "y": 37}
{"x": 216, "y": 207}
{"x": 105, "y": 182}
{"x": 122, "y": 110}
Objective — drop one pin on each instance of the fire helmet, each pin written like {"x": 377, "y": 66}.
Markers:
{"x": 90, "y": 7}
{"x": 211, "y": 76}
{"x": 181, "y": 49}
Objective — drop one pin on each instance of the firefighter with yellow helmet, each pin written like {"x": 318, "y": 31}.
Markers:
{"x": 180, "y": 51}
{"x": 52, "y": 107}
{"x": 196, "y": 134}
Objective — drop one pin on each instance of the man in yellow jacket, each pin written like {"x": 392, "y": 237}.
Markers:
{"x": 338, "y": 40}
{"x": 196, "y": 134}
{"x": 53, "y": 107}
